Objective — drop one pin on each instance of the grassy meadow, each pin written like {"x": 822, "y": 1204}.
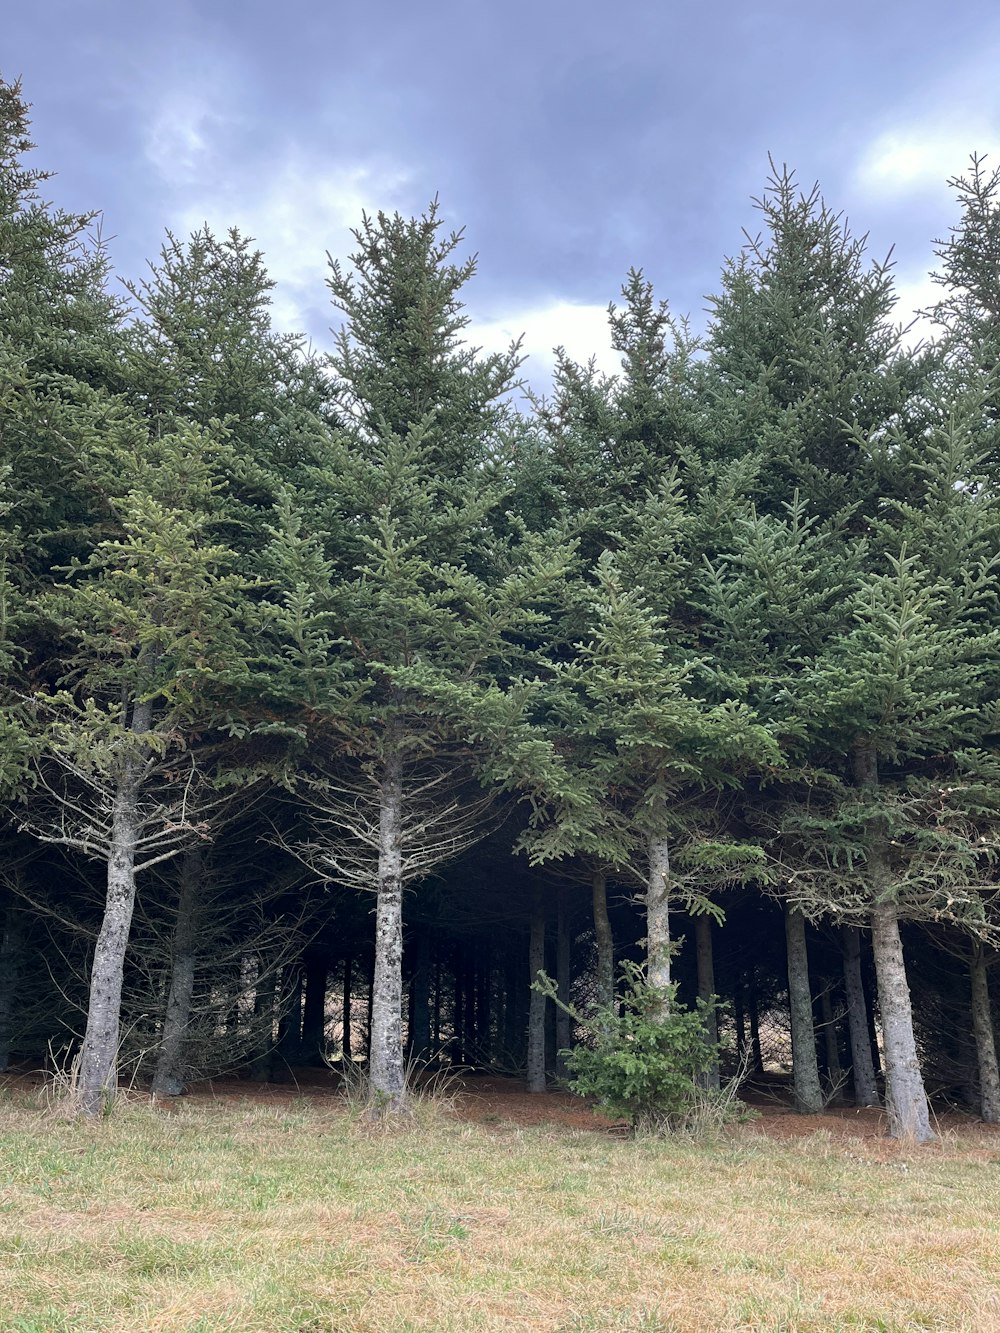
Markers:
{"x": 259, "y": 1219}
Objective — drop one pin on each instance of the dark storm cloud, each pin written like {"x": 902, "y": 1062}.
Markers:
{"x": 572, "y": 139}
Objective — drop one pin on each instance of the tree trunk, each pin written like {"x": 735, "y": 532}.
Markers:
{"x": 564, "y": 1024}
{"x": 982, "y": 1027}
{"x": 168, "y": 1079}
{"x": 387, "y": 1082}
{"x": 739, "y": 1022}
{"x": 805, "y": 1068}
{"x": 706, "y": 989}
{"x": 345, "y": 1012}
{"x": 420, "y": 996}
{"x": 314, "y": 1010}
{"x": 437, "y": 1003}
{"x": 289, "y": 1048}
{"x": 831, "y": 1044}
{"x": 604, "y": 940}
{"x": 658, "y": 912}
{"x": 753, "y": 1015}
{"x": 536, "y": 1004}
{"x": 512, "y": 1038}
{"x": 905, "y": 1098}
{"x": 862, "y": 1069}
{"x": 97, "y": 1075}
{"x": 11, "y": 951}
{"x": 458, "y": 1008}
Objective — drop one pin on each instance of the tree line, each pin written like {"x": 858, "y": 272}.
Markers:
{"x": 290, "y": 634}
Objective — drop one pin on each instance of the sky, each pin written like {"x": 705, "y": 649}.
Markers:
{"x": 570, "y": 139}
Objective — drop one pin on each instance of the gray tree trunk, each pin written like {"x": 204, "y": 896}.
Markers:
{"x": 97, "y": 1074}
{"x": 420, "y": 993}
{"x": 658, "y": 913}
{"x": 863, "y": 1071}
{"x": 345, "y": 1013}
{"x": 831, "y": 1045}
{"x": 905, "y": 1098}
{"x": 564, "y": 1024}
{"x": 11, "y": 958}
{"x": 805, "y": 1068}
{"x": 314, "y": 1009}
{"x": 536, "y": 1004}
{"x": 604, "y": 940}
{"x": 168, "y": 1077}
{"x": 982, "y": 1027}
{"x": 706, "y": 988}
{"x": 387, "y": 1078}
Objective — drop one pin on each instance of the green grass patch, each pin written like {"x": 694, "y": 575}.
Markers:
{"x": 242, "y": 1217}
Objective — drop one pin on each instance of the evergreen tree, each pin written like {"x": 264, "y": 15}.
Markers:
{"x": 152, "y": 623}
{"x": 403, "y": 606}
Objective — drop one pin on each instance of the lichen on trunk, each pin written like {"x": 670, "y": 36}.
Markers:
{"x": 658, "y": 947}
{"x": 862, "y": 1069}
{"x": 168, "y": 1077}
{"x": 905, "y": 1097}
{"x": 982, "y": 1027}
{"x": 387, "y": 1081}
{"x": 805, "y": 1067}
{"x": 96, "y": 1082}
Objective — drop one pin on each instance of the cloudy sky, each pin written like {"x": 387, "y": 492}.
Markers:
{"x": 570, "y": 138}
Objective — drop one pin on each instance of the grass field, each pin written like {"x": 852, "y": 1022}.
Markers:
{"x": 248, "y": 1218}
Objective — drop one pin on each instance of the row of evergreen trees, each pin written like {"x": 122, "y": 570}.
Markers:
{"x": 271, "y": 618}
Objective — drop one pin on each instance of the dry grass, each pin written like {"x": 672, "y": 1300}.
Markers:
{"x": 258, "y": 1220}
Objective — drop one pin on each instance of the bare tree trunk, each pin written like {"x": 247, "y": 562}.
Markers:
{"x": 420, "y": 995}
{"x": 706, "y": 989}
{"x": 564, "y": 1024}
{"x": 314, "y": 1009}
{"x": 512, "y": 1038}
{"x": 905, "y": 1097}
{"x": 11, "y": 950}
{"x": 805, "y": 1068}
{"x": 739, "y": 1022}
{"x": 437, "y": 1003}
{"x": 604, "y": 940}
{"x": 906, "y": 1100}
{"x": 536, "y": 1005}
{"x": 863, "y": 1071}
{"x": 753, "y": 1015}
{"x": 658, "y": 912}
{"x": 288, "y": 1051}
{"x": 168, "y": 1078}
{"x": 97, "y": 1075}
{"x": 386, "y": 1073}
{"x": 831, "y": 1045}
{"x": 982, "y": 1027}
{"x": 345, "y": 1012}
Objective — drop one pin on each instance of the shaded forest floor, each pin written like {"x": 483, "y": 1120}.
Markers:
{"x": 491, "y": 1099}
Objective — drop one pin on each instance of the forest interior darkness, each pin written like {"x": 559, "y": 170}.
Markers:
{"x": 342, "y": 689}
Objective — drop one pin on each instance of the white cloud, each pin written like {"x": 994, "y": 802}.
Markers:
{"x": 926, "y": 142}
{"x": 915, "y": 291}
{"x": 302, "y": 211}
{"x": 178, "y": 141}
{"x": 581, "y": 329}
{"x": 915, "y": 159}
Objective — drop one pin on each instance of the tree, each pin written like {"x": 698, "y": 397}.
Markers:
{"x": 153, "y": 632}
{"x": 404, "y": 595}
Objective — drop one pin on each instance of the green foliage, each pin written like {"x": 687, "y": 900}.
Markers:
{"x": 639, "y": 1064}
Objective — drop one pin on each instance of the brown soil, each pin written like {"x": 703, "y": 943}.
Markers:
{"x": 494, "y": 1100}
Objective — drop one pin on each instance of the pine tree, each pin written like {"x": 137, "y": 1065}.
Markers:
{"x": 152, "y": 623}
{"x": 405, "y": 596}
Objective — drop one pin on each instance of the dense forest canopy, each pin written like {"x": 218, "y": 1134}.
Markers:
{"x": 343, "y": 689}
